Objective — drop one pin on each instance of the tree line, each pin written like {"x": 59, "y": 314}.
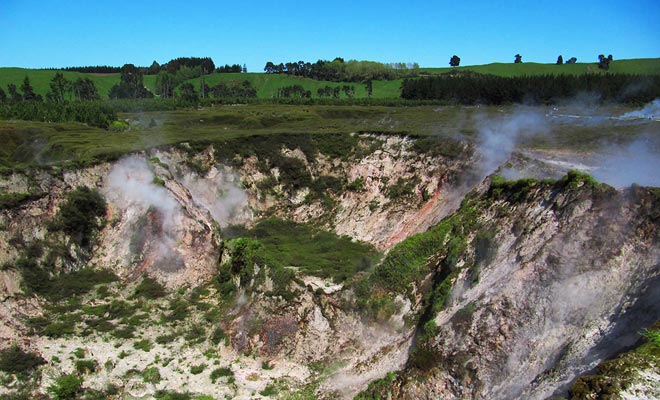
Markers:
{"x": 90, "y": 69}
{"x": 205, "y": 64}
{"x": 339, "y": 70}
{"x": 472, "y": 88}
{"x": 27, "y": 105}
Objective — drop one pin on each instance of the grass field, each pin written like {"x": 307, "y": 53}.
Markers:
{"x": 27, "y": 144}
{"x": 267, "y": 84}
{"x": 643, "y": 66}
{"x": 40, "y": 79}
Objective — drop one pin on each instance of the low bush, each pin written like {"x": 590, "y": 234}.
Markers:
{"x": 66, "y": 387}
{"x": 144, "y": 345}
{"x": 220, "y": 373}
{"x": 13, "y": 360}
{"x": 197, "y": 369}
{"x": 151, "y": 375}
{"x": 86, "y": 366}
{"x": 149, "y": 288}
{"x": 80, "y": 215}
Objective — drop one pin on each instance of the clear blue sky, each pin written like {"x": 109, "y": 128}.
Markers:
{"x": 46, "y": 33}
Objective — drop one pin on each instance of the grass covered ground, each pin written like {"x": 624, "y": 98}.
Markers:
{"x": 26, "y": 144}
{"x": 642, "y": 66}
{"x": 312, "y": 250}
{"x": 268, "y": 84}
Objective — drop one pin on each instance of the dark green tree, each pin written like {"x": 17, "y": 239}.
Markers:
{"x": 165, "y": 84}
{"x": 81, "y": 215}
{"x": 270, "y": 68}
{"x": 84, "y": 89}
{"x": 28, "y": 91}
{"x": 369, "y": 87}
{"x": 188, "y": 92}
{"x": 604, "y": 62}
{"x": 518, "y": 59}
{"x": 14, "y": 96}
{"x": 154, "y": 68}
{"x": 131, "y": 85}
{"x": 59, "y": 85}
{"x": 560, "y": 60}
{"x": 455, "y": 61}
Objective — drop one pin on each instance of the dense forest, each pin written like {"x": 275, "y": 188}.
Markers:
{"x": 472, "y": 88}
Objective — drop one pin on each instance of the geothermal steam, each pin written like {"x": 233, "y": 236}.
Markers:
{"x": 621, "y": 166}
{"x": 499, "y": 137}
{"x": 650, "y": 111}
{"x": 130, "y": 187}
{"x": 616, "y": 165}
{"x": 218, "y": 193}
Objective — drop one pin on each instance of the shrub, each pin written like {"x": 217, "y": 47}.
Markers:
{"x": 197, "y": 369}
{"x": 402, "y": 188}
{"x": 218, "y": 335}
{"x": 575, "y": 178}
{"x": 149, "y": 288}
{"x": 196, "y": 333}
{"x": 13, "y": 360}
{"x": 81, "y": 215}
{"x": 86, "y": 366}
{"x": 220, "y": 373}
{"x": 357, "y": 185}
{"x": 78, "y": 283}
{"x": 59, "y": 329}
{"x": 79, "y": 353}
{"x": 167, "y": 395}
{"x": 144, "y": 345}
{"x": 179, "y": 310}
{"x": 126, "y": 332}
{"x": 66, "y": 387}
{"x": 151, "y": 375}
{"x": 269, "y": 390}
{"x": 164, "y": 339}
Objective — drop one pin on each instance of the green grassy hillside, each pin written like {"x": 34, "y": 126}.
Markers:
{"x": 644, "y": 66}
{"x": 268, "y": 84}
{"x": 40, "y": 79}
{"x": 27, "y": 144}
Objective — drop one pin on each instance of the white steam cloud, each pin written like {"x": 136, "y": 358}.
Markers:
{"x": 637, "y": 162}
{"x": 130, "y": 185}
{"x": 499, "y": 137}
{"x": 218, "y": 193}
{"x": 650, "y": 111}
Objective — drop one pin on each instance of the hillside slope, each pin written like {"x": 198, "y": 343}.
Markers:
{"x": 555, "y": 279}
{"x": 267, "y": 85}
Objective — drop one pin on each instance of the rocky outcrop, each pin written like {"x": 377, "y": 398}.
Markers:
{"x": 572, "y": 279}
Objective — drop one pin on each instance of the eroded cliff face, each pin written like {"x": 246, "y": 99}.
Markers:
{"x": 166, "y": 212}
{"x": 534, "y": 284}
{"x": 567, "y": 279}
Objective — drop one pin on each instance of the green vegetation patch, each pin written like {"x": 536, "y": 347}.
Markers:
{"x": 149, "y": 288}
{"x": 13, "y": 200}
{"x": 63, "y": 286}
{"x": 66, "y": 387}
{"x": 13, "y": 360}
{"x": 221, "y": 373}
{"x": 620, "y": 373}
{"x": 81, "y": 215}
{"x": 313, "y": 251}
